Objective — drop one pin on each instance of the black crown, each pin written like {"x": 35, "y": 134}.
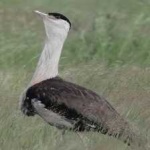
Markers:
{"x": 60, "y": 16}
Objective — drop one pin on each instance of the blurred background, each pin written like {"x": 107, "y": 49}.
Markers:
{"x": 107, "y": 50}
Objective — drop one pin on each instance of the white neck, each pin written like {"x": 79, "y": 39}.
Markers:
{"x": 48, "y": 63}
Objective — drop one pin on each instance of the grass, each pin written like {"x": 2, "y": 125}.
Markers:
{"x": 107, "y": 51}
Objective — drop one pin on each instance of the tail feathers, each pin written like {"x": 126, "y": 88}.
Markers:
{"x": 130, "y": 137}
{"x": 133, "y": 139}
{"x": 120, "y": 129}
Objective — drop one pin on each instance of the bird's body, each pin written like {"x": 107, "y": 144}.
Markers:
{"x": 64, "y": 104}
{"x": 83, "y": 108}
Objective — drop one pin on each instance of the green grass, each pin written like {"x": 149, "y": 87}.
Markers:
{"x": 107, "y": 51}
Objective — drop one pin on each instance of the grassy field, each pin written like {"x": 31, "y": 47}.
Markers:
{"x": 108, "y": 51}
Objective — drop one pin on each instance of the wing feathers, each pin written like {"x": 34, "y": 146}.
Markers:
{"x": 49, "y": 116}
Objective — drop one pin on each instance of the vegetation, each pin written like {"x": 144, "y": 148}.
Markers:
{"x": 107, "y": 51}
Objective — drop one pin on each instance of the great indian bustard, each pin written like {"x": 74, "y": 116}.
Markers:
{"x": 64, "y": 104}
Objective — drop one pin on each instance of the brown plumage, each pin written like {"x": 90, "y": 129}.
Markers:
{"x": 82, "y": 108}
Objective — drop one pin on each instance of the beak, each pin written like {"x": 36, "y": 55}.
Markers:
{"x": 40, "y": 13}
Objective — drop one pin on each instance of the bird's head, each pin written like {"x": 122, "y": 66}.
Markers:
{"x": 56, "y": 24}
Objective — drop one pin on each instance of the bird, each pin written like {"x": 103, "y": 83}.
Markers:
{"x": 64, "y": 104}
